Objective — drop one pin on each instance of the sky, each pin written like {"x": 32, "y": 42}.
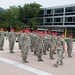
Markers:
{"x": 45, "y": 3}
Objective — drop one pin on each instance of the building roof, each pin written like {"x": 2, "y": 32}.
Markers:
{"x": 62, "y": 6}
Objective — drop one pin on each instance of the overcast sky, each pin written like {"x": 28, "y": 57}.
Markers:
{"x": 45, "y": 3}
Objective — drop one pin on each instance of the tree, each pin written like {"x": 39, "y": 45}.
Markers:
{"x": 20, "y": 17}
{"x": 29, "y": 13}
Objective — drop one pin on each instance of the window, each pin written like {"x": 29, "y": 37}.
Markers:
{"x": 69, "y": 19}
{"x": 49, "y": 11}
{"x": 49, "y": 20}
{"x": 41, "y": 20}
{"x": 60, "y": 10}
{"x": 74, "y": 19}
{"x": 70, "y": 9}
{"x": 42, "y": 12}
{"x": 58, "y": 19}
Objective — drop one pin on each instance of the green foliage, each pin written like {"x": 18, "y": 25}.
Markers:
{"x": 33, "y": 21}
{"x": 31, "y": 10}
{"x": 20, "y": 17}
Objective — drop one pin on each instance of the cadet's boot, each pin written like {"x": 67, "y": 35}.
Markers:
{"x": 52, "y": 58}
{"x": 54, "y": 52}
{"x": 26, "y": 62}
{"x": 11, "y": 52}
{"x": 44, "y": 53}
{"x": 41, "y": 59}
{"x": 69, "y": 56}
{"x": 56, "y": 65}
{"x": 23, "y": 61}
{"x": 61, "y": 63}
{"x": 2, "y": 49}
{"x": 32, "y": 50}
{"x": 63, "y": 57}
{"x": 35, "y": 53}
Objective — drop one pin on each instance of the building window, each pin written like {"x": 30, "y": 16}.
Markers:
{"x": 60, "y": 10}
{"x": 41, "y": 20}
{"x": 69, "y": 19}
{"x": 58, "y": 19}
{"x": 74, "y": 19}
{"x": 70, "y": 9}
{"x": 49, "y": 11}
{"x": 49, "y": 20}
{"x": 41, "y": 12}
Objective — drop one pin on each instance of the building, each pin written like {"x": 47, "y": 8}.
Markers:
{"x": 59, "y": 19}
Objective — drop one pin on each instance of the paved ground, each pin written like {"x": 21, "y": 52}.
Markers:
{"x": 10, "y": 64}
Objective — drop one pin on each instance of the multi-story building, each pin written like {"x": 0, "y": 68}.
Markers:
{"x": 60, "y": 19}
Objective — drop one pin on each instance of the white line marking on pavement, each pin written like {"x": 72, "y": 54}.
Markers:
{"x": 23, "y": 66}
{"x": 9, "y": 51}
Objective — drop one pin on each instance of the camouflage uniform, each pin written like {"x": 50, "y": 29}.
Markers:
{"x": 25, "y": 46}
{"x": 40, "y": 48}
{"x": 19, "y": 39}
{"x": 60, "y": 47}
{"x": 45, "y": 43}
{"x": 1, "y": 40}
{"x": 69, "y": 46}
{"x": 55, "y": 38}
{"x": 36, "y": 38}
{"x": 32, "y": 41}
{"x": 11, "y": 41}
{"x": 52, "y": 47}
{"x": 64, "y": 39}
{"x": 48, "y": 41}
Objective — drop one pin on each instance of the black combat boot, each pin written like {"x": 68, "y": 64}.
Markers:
{"x": 56, "y": 65}
{"x": 2, "y": 49}
{"x": 41, "y": 59}
{"x": 52, "y": 58}
{"x": 26, "y": 61}
{"x": 38, "y": 58}
{"x": 61, "y": 63}
{"x": 69, "y": 56}
{"x": 35, "y": 53}
{"x": 44, "y": 53}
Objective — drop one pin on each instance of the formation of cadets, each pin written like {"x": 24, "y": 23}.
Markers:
{"x": 38, "y": 42}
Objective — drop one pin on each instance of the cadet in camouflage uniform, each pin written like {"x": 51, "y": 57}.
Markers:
{"x": 69, "y": 45}
{"x": 1, "y": 38}
{"x": 55, "y": 38}
{"x": 25, "y": 45}
{"x": 40, "y": 46}
{"x": 32, "y": 41}
{"x": 19, "y": 38}
{"x": 45, "y": 42}
{"x": 52, "y": 46}
{"x": 36, "y": 37}
{"x": 63, "y": 38}
{"x": 60, "y": 47}
{"x": 11, "y": 37}
{"x": 48, "y": 40}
